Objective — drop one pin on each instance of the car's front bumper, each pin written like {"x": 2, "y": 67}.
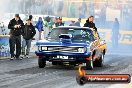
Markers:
{"x": 72, "y": 56}
{"x": 39, "y": 53}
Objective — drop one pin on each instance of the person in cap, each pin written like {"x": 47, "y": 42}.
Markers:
{"x": 28, "y": 33}
{"x": 16, "y": 26}
{"x": 59, "y": 22}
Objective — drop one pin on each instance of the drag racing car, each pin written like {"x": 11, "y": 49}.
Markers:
{"x": 71, "y": 45}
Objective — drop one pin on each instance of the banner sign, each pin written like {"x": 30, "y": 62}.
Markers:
{"x": 4, "y": 46}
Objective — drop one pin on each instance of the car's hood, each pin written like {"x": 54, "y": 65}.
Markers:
{"x": 59, "y": 43}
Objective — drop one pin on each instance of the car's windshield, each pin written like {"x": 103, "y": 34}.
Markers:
{"x": 77, "y": 34}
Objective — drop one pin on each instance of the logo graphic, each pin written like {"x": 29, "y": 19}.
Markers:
{"x": 83, "y": 78}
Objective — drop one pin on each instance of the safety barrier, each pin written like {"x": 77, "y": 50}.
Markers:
{"x": 4, "y": 46}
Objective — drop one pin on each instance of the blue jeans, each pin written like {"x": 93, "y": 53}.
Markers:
{"x": 26, "y": 44}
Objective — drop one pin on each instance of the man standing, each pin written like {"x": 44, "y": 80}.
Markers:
{"x": 28, "y": 33}
{"x": 39, "y": 26}
{"x": 15, "y": 26}
{"x": 115, "y": 33}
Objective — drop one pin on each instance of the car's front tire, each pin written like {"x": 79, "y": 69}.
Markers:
{"x": 41, "y": 62}
{"x": 89, "y": 64}
{"x": 100, "y": 62}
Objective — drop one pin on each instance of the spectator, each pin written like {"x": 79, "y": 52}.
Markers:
{"x": 28, "y": 33}
{"x": 39, "y": 26}
{"x": 50, "y": 24}
{"x": 72, "y": 23}
{"x": 78, "y": 22}
{"x": 30, "y": 17}
{"x": 55, "y": 20}
{"x": 15, "y": 25}
{"x": 45, "y": 33}
{"x": 47, "y": 19}
{"x": 59, "y": 22}
{"x": 115, "y": 33}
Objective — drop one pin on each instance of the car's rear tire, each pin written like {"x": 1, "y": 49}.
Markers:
{"x": 100, "y": 62}
{"x": 89, "y": 64}
{"x": 41, "y": 62}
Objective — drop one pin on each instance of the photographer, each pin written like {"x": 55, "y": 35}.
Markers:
{"x": 15, "y": 26}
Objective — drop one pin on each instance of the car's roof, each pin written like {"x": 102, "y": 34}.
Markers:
{"x": 74, "y": 27}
